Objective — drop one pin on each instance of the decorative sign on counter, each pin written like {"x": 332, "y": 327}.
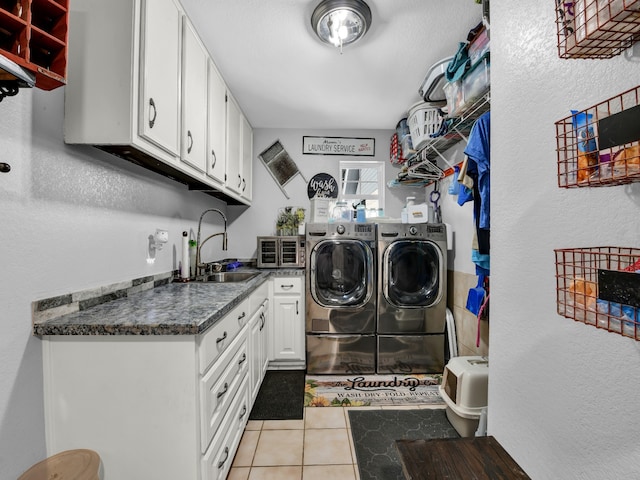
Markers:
{"x": 322, "y": 185}
{"x": 339, "y": 146}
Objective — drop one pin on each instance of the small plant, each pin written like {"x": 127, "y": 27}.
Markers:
{"x": 289, "y": 218}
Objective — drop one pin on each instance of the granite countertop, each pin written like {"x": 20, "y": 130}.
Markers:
{"x": 172, "y": 309}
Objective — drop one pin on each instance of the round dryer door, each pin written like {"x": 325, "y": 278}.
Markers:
{"x": 341, "y": 273}
{"x": 412, "y": 273}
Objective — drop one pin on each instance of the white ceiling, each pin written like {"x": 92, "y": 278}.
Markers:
{"x": 284, "y": 77}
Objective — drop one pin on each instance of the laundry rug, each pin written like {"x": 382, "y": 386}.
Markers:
{"x": 281, "y": 396}
{"x": 372, "y": 390}
{"x": 375, "y": 432}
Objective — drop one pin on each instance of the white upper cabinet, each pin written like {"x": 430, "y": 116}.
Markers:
{"x": 234, "y": 146}
{"x": 160, "y": 73}
{"x": 239, "y": 150}
{"x": 142, "y": 86}
{"x": 247, "y": 158}
{"x": 217, "y": 127}
{"x": 193, "y": 149}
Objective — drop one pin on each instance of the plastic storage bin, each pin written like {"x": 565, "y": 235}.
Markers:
{"x": 462, "y": 93}
{"x": 479, "y": 46}
{"x": 476, "y": 82}
{"x": 455, "y": 99}
{"x": 464, "y": 389}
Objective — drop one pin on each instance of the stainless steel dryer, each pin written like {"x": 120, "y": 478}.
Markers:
{"x": 341, "y": 298}
{"x": 412, "y": 294}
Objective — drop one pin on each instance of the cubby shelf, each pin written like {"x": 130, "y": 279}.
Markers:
{"x": 33, "y": 34}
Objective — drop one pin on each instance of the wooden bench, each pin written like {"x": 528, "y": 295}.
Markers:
{"x": 477, "y": 458}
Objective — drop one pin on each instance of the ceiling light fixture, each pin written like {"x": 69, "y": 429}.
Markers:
{"x": 341, "y": 22}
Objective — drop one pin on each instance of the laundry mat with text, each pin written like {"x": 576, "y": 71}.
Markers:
{"x": 372, "y": 390}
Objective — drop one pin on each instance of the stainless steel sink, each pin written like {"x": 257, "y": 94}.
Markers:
{"x": 228, "y": 277}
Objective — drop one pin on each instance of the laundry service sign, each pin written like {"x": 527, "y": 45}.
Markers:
{"x": 365, "y": 147}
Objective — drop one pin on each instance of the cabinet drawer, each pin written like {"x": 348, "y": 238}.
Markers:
{"x": 219, "y": 386}
{"x": 220, "y": 336}
{"x": 287, "y": 285}
{"x": 218, "y": 458}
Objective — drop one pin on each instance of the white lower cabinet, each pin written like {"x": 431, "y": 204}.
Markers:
{"x": 218, "y": 459}
{"x": 159, "y": 406}
{"x": 287, "y": 341}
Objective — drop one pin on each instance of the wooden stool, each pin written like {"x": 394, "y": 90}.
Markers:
{"x": 69, "y": 465}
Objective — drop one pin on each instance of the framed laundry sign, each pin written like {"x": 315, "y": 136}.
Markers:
{"x": 365, "y": 147}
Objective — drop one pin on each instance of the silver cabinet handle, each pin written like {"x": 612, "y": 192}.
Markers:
{"x": 190, "y": 138}
{"x": 152, "y": 120}
{"x": 215, "y": 159}
{"x": 264, "y": 319}
{"x": 222, "y": 338}
{"x": 224, "y": 391}
{"x": 226, "y": 456}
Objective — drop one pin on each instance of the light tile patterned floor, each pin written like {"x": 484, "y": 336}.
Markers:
{"x": 315, "y": 448}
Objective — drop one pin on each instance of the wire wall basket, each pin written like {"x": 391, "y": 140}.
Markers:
{"x": 600, "y": 146}
{"x": 596, "y": 28}
{"x": 600, "y": 286}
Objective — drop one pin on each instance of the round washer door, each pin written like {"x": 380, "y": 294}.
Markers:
{"x": 341, "y": 273}
{"x": 412, "y": 273}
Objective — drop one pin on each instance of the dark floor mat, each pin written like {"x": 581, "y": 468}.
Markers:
{"x": 374, "y": 434}
{"x": 281, "y": 396}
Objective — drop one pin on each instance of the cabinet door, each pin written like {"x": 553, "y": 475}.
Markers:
{"x": 255, "y": 349}
{"x": 258, "y": 348}
{"x": 264, "y": 338}
{"x": 217, "y": 126}
{"x": 247, "y": 158}
{"x": 194, "y": 100}
{"x": 288, "y": 333}
{"x": 160, "y": 74}
{"x": 234, "y": 146}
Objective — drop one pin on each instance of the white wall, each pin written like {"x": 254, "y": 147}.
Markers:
{"x": 71, "y": 218}
{"x": 458, "y": 217}
{"x": 261, "y": 217}
{"x": 563, "y": 396}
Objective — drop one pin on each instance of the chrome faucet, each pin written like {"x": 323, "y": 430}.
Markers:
{"x": 199, "y": 245}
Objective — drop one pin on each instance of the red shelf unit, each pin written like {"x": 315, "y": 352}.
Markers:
{"x": 34, "y": 34}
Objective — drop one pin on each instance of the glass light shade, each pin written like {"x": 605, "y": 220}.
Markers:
{"x": 341, "y": 22}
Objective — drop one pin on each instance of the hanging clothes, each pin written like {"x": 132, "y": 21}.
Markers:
{"x": 478, "y": 151}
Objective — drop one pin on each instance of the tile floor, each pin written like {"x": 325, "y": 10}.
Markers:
{"x": 314, "y": 448}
